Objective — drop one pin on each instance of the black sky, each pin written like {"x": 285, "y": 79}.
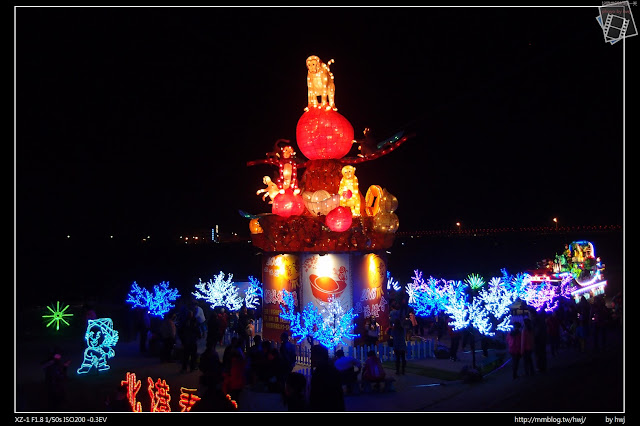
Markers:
{"x": 142, "y": 119}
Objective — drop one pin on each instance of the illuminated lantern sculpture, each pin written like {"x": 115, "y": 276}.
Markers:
{"x": 320, "y": 202}
{"x": 320, "y": 83}
{"x": 372, "y": 200}
{"x": 339, "y": 219}
{"x": 271, "y": 190}
{"x": 349, "y": 193}
{"x": 254, "y": 226}
{"x": 331, "y": 237}
{"x": 323, "y": 135}
{"x": 386, "y": 222}
{"x": 288, "y": 171}
{"x": 388, "y": 202}
{"x": 288, "y": 204}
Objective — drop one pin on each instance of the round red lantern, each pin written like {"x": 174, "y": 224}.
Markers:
{"x": 324, "y": 134}
{"x": 339, "y": 219}
{"x": 288, "y": 204}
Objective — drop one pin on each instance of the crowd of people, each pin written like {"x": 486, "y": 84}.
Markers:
{"x": 249, "y": 362}
{"x": 571, "y": 326}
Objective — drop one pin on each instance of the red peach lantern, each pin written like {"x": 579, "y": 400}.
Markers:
{"x": 288, "y": 204}
{"x": 339, "y": 219}
{"x": 324, "y": 134}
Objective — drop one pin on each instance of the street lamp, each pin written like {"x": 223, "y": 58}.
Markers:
{"x": 458, "y": 225}
{"x": 555, "y": 219}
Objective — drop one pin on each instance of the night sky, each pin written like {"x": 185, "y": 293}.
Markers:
{"x": 142, "y": 119}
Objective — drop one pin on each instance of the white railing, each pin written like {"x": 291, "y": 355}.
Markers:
{"x": 416, "y": 349}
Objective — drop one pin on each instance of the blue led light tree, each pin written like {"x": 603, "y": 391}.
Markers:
{"x": 497, "y": 299}
{"x": 157, "y": 303}
{"x": 329, "y": 327}
{"x": 426, "y": 297}
{"x": 302, "y": 325}
{"x": 392, "y": 283}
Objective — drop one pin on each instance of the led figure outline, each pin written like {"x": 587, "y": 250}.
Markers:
{"x": 57, "y": 315}
{"x": 100, "y": 337}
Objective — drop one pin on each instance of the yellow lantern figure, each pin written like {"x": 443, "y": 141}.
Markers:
{"x": 388, "y": 202}
{"x": 348, "y": 190}
{"x": 288, "y": 171}
{"x": 270, "y": 191}
{"x": 254, "y": 226}
{"x": 386, "y": 222}
{"x": 320, "y": 83}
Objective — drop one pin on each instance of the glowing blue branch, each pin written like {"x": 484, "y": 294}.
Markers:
{"x": 253, "y": 295}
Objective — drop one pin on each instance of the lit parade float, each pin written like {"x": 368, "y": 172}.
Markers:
{"x": 325, "y": 239}
{"x": 579, "y": 263}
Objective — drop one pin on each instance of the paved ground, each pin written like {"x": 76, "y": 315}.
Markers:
{"x": 569, "y": 380}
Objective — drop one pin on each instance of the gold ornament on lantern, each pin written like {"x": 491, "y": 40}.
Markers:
{"x": 386, "y": 222}
{"x": 388, "y": 202}
{"x": 372, "y": 200}
{"x": 254, "y": 226}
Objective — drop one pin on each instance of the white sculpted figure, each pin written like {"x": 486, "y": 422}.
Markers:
{"x": 320, "y": 83}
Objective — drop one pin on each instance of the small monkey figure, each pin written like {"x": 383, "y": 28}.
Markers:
{"x": 270, "y": 191}
{"x": 348, "y": 190}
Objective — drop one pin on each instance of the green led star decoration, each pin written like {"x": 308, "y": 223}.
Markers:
{"x": 57, "y": 315}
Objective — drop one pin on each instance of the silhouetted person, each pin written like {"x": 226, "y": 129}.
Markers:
{"x": 349, "y": 368}
{"x": 143, "y": 326}
{"x": 55, "y": 377}
{"x": 211, "y": 368}
{"x": 213, "y": 330}
{"x": 540, "y": 341}
{"x": 168, "y": 332}
{"x": 454, "y": 336}
{"x": 325, "y": 392}
{"x": 514, "y": 346}
{"x": 189, "y": 333}
{"x": 295, "y": 392}
{"x": 118, "y": 402}
{"x": 553, "y": 332}
{"x": 287, "y": 354}
{"x": 398, "y": 335}
{"x": 373, "y": 372}
{"x": 527, "y": 347}
{"x": 600, "y": 317}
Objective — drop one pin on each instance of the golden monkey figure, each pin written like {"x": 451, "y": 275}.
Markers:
{"x": 320, "y": 83}
{"x": 348, "y": 190}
